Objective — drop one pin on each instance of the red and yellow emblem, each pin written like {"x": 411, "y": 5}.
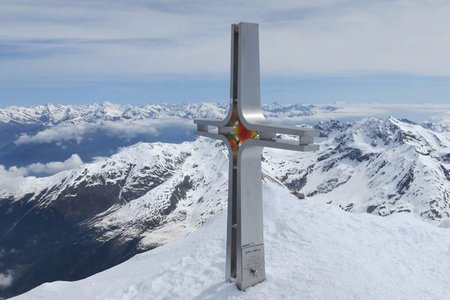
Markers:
{"x": 240, "y": 135}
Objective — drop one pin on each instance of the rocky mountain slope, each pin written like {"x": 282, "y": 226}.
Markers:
{"x": 376, "y": 166}
{"x": 79, "y": 222}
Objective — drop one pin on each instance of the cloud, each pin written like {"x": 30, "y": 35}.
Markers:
{"x": 125, "y": 130}
{"x": 151, "y": 127}
{"x": 40, "y": 169}
{"x": 14, "y": 178}
{"x": 437, "y": 113}
{"x": 10, "y": 180}
{"x": 6, "y": 279}
{"x": 57, "y": 133}
{"x": 97, "y": 40}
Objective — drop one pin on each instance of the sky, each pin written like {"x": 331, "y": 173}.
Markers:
{"x": 142, "y": 51}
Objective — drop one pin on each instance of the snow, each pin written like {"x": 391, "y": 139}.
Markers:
{"x": 85, "y": 114}
{"x": 203, "y": 170}
{"x": 393, "y": 165}
{"x": 313, "y": 251}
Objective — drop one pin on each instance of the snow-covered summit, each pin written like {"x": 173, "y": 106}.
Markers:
{"x": 313, "y": 251}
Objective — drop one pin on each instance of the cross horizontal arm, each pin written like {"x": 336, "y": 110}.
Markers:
{"x": 203, "y": 127}
{"x": 205, "y": 123}
{"x": 283, "y": 145}
{"x": 304, "y": 143}
{"x": 268, "y": 128}
{"x": 263, "y": 127}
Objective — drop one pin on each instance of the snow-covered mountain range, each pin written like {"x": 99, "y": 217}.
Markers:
{"x": 376, "y": 166}
{"x": 84, "y": 220}
{"x": 49, "y": 133}
{"x": 77, "y": 114}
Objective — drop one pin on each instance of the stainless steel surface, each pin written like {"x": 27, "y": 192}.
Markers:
{"x": 245, "y": 236}
{"x": 253, "y": 269}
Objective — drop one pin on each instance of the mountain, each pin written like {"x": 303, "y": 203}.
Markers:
{"x": 79, "y": 222}
{"x": 313, "y": 251}
{"x": 48, "y": 115}
{"x": 376, "y": 166}
{"x": 48, "y": 133}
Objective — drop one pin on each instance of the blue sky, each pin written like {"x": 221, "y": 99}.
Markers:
{"x": 139, "y": 51}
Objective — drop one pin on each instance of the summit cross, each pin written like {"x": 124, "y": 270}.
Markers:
{"x": 245, "y": 132}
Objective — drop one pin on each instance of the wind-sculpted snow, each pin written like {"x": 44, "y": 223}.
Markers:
{"x": 313, "y": 251}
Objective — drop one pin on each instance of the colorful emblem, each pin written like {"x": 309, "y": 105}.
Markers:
{"x": 240, "y": 135}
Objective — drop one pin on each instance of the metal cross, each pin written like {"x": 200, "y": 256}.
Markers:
{"x": 246, "y": 132}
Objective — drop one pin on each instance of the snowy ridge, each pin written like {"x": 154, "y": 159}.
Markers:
{"x": 50, "y": 115}
{"x": 183, "y": 199}
{"x": 394, "y": 166}
{"x": 147, "y": 186}
{"x": 313, "y": 251}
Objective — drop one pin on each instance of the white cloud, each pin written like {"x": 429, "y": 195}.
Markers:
{"x": 10, "y": 180}
{"x": 57, "y": 133}
{"x": 130, "y": 130}
{"x": 151, "y": 127}
{"x": 40, "y": 169}
{"x": 6, "y": 279}
{"x": 133, "y": 39}
{"x": 15, "y": 178}
{"x": 124, "y": 130}
{"x": 353, "y": 111}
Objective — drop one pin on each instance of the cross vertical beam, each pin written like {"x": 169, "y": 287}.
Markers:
{"x": 246, "y": 132}
{"x": 250, "y": 267}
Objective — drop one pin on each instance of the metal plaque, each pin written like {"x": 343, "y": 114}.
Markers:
{"x": 253, "y": 269}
